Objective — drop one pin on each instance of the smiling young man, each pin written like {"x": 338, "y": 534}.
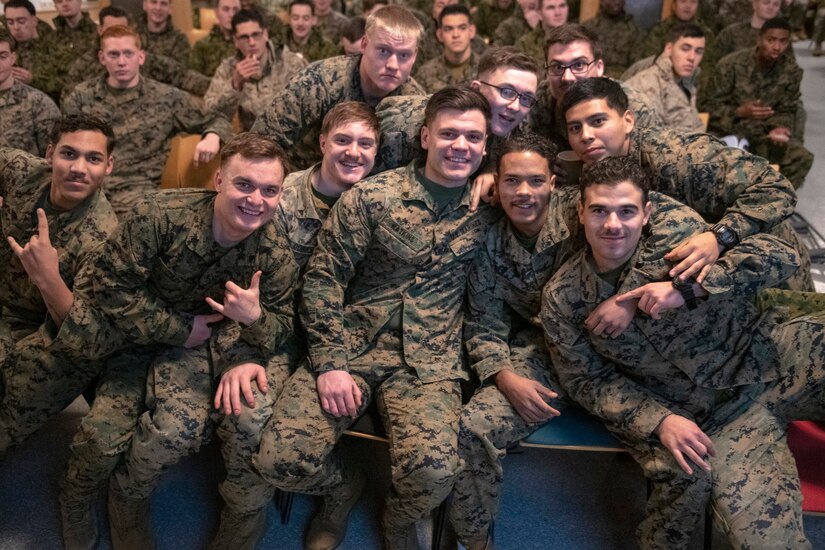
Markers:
{"x": 303, "y": 36}
{"x": 382, "y": 306}
{"x": 54, "y": 218}
{"x": 158, "y": 34}
{"x": 671, "y": 84}
{"x": 553, "y": 14}
{"x": 701, "y": 387}
{"x": 208, "y": 52}
{"x": 294, "y": 118}
{"x": 457, "y": 63}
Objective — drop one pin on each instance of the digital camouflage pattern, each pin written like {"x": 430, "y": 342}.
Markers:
{"x": 621, "y": 37}
{"x": 489, "y": 16}
{"x": 169, "y": 42}
{"x": 145, "y": 119}
{"x": 27, "y": 116}
{"x": 438, "y": 73}
{"x": 279, "y": 67}
{"x": 74, "y": 40}
{"x": 293, "y": 120}
{"x": 657, "y": 37}
{"x": 208, "y": 52}
{"x": 546, "y": 118}
{"x": 733, "y": 38}
{"x": 299, "y": 216}
{"x": 511, "y": 29}
{"x": 739, "y": 79}
{"x": 672, "y": 98}
{"x": 332, "y": 25}
{"x": 317, "y": 46}
{"x": 532, "y": 44}
{"x": 707, "y": 365}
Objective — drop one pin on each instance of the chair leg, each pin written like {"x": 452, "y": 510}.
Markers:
{"x": 439, "y": 523}
{"x": 708, "y": 537}
{"x": 283, "y": 503}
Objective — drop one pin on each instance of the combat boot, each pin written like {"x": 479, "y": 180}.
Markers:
{"x": 130, "y": 523}
{"x": 239, "y": 531}
{"x": 405, "y": 538}
{"x": 328, "y": 527}
{"x": 79, "y": 525}
{"x": 817, "y": 50}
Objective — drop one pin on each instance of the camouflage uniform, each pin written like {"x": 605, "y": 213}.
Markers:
{"x": 332, "y": 25}
{"x": 391, "y": 317}
{"x": 207, "y": 53}
{"x": 74, "y": 40}
{"x": 738, "y": 374}
{"x": 733, "y": 38}
{"x": 673, "y": 99}
{"x": 43, "y": 28}
{"x": 657, "y": 37}
{"x": 734, "y": 11}
{"x": 533, "y": 44}
{"x": 546, "y": 118}
{"x": 294, "y": 118}
{"x": 39, "y": 383}
{"x": 27, "y": 116}
{"x": 739, "y": 78}
{"x": 279, "y": 67}
{"x": 317, "y": 46}
{"x": 511, "y": 29}
{"x": 489, "y": 16}
{"x": 145, "y": 119}
{"x": 621, "y": 37}
{"x": 169, "y": 42}
{"x": 438, "y": 73}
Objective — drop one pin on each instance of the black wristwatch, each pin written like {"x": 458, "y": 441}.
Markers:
{"x": 725, "y": 236}
{"x": 685, "y": 288}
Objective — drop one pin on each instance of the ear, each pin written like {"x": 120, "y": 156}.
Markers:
{"x": 629, "y": 121}
{"x": 49, "y": 153}
{"x": 363, "y": 43}
{"x": 472, "y": 31}
{"x": 600, "y": 67}
{"x": 110, "y": 164}
{"x": 476, "y": 85}
{"x": 439, "y": 35}
{"x": 648, "y": 212}
{"x": 552, "y": 182}
{"x": 323, "y": 142}
{"x": 100, "y": 56}
{"x": 580, "y": 208}
{"x": 425, "y": 137}
{"x": 217, "y": 180}
{"x": 141, "y": 57}
{"x": 668, "y": 49}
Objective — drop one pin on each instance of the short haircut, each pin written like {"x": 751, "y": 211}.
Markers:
{"x": 613, "y": 171}
{"x": 528, "y": 142}
{"x": 253, "y": 146}
{"x": 683, "y": 30}
{"x": 247, "y": 16}
{"x": 595, "y": 88}
{"x": 573, "y": 32}
{"x": 69, "y": 124}
{"x": 120, "y": 31}
{"x": 454, "y": 9}
{"x": 506, "y": 56}
{"x": 775, "y": 23}
{"x": 111, "y": 11}
{"x": 458, "y": 98}
{"x": 309, "y": 3}
{"x": 354, "y": 29}
{"x": 351, "y": 111}
{"x": 25, "y": 4}
{"x": 5, "y": 36}
{"x": 396, "y": 21}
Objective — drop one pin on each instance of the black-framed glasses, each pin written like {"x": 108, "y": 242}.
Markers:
{"x": 577, "y": 67}
{"x": 509, "y": 94}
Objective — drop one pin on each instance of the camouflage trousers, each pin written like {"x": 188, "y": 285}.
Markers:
{"x": 753, "y": 486}
{"x": 490, "y": 424}
{"x": 37, "y": 384}
{"x": 421, "y": 421}
{"x": 793, "y": 158}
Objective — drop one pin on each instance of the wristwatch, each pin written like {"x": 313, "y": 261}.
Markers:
{"x": 685, "y": 288}
{"x": 725, "y": 236}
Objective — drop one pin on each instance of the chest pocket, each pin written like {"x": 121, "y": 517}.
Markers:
{"x": 465, "y": 245}
{"x": 168, "y": 284}
{"x": 402, "y": 244}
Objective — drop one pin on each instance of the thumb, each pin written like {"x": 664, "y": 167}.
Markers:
{"x": 255, "y": 283}
{"x": 213, "y": 318}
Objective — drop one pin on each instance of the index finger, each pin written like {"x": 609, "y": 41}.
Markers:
{"x": 43, "y": 225}
{"x": 632, "y": 295}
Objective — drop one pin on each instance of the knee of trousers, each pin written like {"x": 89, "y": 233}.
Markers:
{"x": 288, "y": 465}
{"x": 427, "y": 471}
{"x": 247, "y": 493}
{"x": 173, "y": 427}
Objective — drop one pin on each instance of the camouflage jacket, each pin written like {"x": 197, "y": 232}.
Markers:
{"x": 145, "y": 119}
{"x": 153, "y": 275}
{"x": 387, "y": 258}
{"x": 532, "y": 44}
{"x": 621, "y": 37}
{"x": 25, "y": 182}
{"x": 297, "y": 215}
{"x": 677, "y": 364}
{"x": 511, "y": 30}
{"x": 739, "y": 78}
{"x": 256, "y": 95}
{"x": 656, "y": 38}
{"x": 438, "y": 73}
{"x": 546, "y": 118}
{"x": 723, "y": 184}
{"x": 169, "y": 42}
{"x": 316, "y": 48}
{"x": 27, "y": 116}
{"x": 332, "y": 25}
{"x": 74, "y": 40}
{"x": 488, "y": 17}
{"x": 207, "y": 53}
{"x": 673, "y": 99}
{"x": 733, "y": 38}
{"x": 294, "y": 117}
{"x": 734, "y": 11}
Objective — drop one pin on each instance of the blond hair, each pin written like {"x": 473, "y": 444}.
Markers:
{"x": 397, "y": 21}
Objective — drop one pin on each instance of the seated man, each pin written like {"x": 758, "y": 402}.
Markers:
{"x": 524, "y": 18}
{"x": 553, "y": 14}
{"x": 330, "y": 22}
{"x": 208, "y": 52}
{"x": 247, "y": 82}
{"x": 457, "y": 64}
{"x": 701, "y": 385}
{"x": 744, "y": 33}
{"x": 615, "y": 27}
{"x": 738, "y": 192}
{"x": 349, "y": 141}
{"x": 303, "y": 36}
{"x": 74, "y": 30}
{"x": 34, "y": 49}
{"x": 145, "y": 115}
{"x": 54, "y": 218}
{"x": 754, "y": 94}
{"x": 27, "y": 115}
{"x": 382, "y": 306}
{"x": 157, "y": 33}
{"x": 670, "y": 85}
{"x": 294, "y": 117}
{"x": 352, "y": 34}
{"x": 184, "y": 260}
{"x": 683, "y": 11}
{"x": 489, "y": 15}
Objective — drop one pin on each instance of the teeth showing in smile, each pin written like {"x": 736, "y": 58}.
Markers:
{"x": 458, "y": 160}
{"x": 249, "y": 212}
{"x": 525, "y": 206}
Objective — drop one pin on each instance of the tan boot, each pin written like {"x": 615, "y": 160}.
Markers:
{"x": 130, "y": 523}
{"x": 327, "y": 529}
{"x": 239, "y": 531}
{"x": 79, "y": 525}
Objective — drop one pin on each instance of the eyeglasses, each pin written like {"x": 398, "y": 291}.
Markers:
{"x": 510, "y": 94}
{"x": 577, "y": 67}
{"x": 255, "y": 36}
